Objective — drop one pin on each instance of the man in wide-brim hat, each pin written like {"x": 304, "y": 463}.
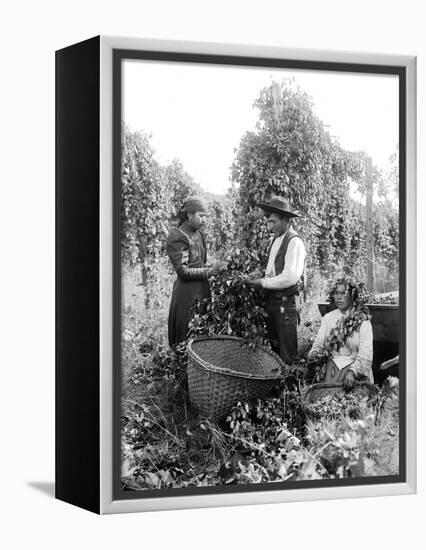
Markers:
{"x": 283, "y": 279}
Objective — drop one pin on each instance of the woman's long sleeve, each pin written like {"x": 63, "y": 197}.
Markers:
{"x": 319, "y": 341}
{"x": 364, "y": 359}
{"x": 177, "y": 250}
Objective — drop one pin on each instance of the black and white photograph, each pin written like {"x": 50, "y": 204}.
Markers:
{"x": 212, "y": 296}
{"x": 259, "y": 243}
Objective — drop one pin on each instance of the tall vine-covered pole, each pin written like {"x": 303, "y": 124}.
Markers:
{"x": 290, "y": 153}
{"x": 369, "y": 225}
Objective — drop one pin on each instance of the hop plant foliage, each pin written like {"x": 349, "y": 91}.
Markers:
{"x": 233, "y": 308}
{"x": 291, "y": 153}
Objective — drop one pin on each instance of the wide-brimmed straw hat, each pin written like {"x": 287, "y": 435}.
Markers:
{"x": 279, "y": 205}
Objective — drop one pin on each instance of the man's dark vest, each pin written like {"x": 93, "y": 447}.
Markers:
{"x": 280, "y": 262}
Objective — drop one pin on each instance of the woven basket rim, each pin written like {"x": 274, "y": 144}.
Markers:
{"x": 329, "y": 385}
{"x": 335, "y": 384}
{"x": 230, "y": 372}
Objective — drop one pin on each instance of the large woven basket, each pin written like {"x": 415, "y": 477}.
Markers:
{"x": 223, "y": 371}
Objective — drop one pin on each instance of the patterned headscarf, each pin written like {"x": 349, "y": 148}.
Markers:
{"x": 194, "y": 204}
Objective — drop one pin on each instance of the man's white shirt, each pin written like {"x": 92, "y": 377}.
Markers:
{"x": 293, "y": 266}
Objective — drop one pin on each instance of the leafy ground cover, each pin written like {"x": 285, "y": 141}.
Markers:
{"x": 165, "y": 444}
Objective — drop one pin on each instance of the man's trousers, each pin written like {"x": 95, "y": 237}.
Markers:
{"x": 282, "y": 321}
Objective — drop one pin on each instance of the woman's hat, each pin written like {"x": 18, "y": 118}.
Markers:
{"x": 279, "y": 205}
{"x": 194, "y": 204}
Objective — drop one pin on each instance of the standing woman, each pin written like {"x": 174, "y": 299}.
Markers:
{"x": 186, "y": 248}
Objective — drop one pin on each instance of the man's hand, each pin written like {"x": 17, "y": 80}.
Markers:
{"x": 254, "y": 283}
{"x": 349, "y": 380}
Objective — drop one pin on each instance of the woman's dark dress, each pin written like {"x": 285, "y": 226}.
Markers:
{"x": 187, "y": 251}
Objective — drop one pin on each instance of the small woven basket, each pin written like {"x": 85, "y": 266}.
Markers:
{"x": 321, "y": 390}
{"x": 223, "y": 371}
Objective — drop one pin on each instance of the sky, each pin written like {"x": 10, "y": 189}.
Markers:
{"x": 199, "y": 113}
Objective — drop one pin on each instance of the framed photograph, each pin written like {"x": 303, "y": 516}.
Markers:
{"x": 236, "y": 274}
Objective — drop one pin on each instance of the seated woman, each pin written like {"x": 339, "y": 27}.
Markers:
{"x": 345, "y": 338}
